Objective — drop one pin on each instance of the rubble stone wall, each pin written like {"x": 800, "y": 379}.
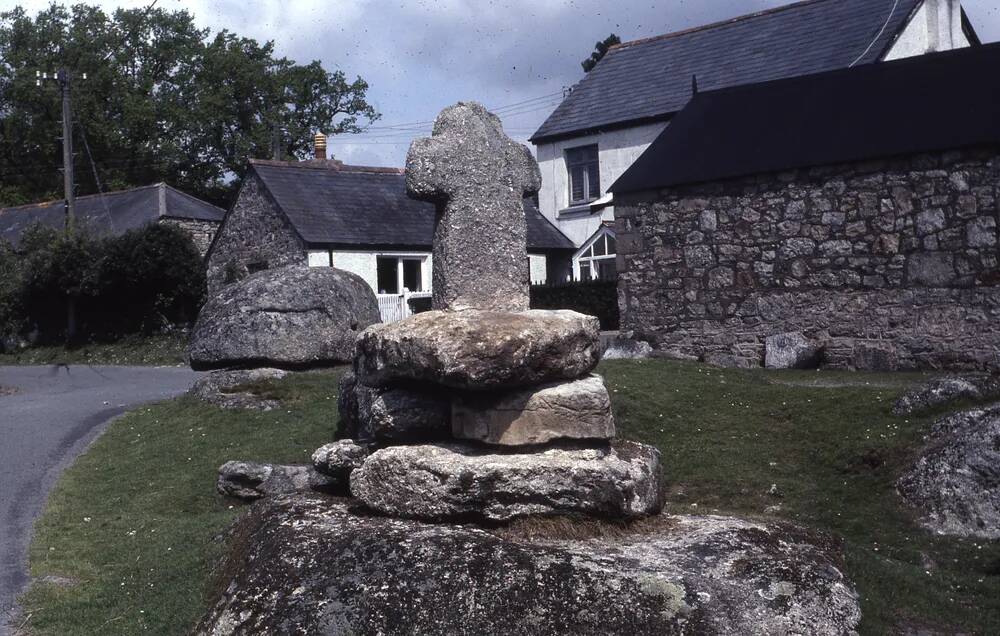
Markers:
{"x": 894, "y": 264}
{"x": 254, "y": 236}
{"x": 201, "y": 232}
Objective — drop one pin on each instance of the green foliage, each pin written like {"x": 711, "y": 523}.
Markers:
{"x": 593, "y": 298}
{"x": 56, "y": 268}
{"x": 163, "y": 101}
{"x": 144, "y": 281}
{"x": 10, "y": 284}
{"x": 150, "y": 279}
{"x": 600, "y": 50}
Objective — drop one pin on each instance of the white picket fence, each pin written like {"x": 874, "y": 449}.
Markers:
{"x": 396, "y": 307}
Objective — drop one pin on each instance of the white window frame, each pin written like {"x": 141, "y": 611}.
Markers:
{"x": 400, "y": 257}
{"x": 582, "y": 257}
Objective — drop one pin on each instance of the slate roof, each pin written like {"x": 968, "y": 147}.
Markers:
{"x": 649, "y": 80}
{"x": 113, "y": 213}
{"x": 929, "y": 103}
{"x": 360, "y": 206}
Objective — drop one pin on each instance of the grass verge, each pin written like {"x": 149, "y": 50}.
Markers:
{"x": 160, "y": 350}
{"x": 137, "y": 525}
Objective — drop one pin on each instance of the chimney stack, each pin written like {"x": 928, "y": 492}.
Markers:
{"x": 319, "y": 146}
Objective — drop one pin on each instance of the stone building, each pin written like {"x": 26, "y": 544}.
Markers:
{"x": 858, "y": 207}
{"x": 324, "y": 213}
{"x": 612, "y": 115}
{"x": 115, "y": 213}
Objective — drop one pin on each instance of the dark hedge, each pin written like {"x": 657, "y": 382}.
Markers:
{"x": 594, "y": 298}
{"x": 144, "y": 281}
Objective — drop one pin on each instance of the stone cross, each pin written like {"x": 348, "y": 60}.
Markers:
{"x": 478, "y": 178}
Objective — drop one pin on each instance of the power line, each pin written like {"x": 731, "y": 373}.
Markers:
{"x": 876, "y": 38}
{"x": 497, "y": 110}
{"x": 97, "y": 179}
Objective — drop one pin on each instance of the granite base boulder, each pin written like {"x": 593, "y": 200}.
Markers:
{"x": 310, "y": 565}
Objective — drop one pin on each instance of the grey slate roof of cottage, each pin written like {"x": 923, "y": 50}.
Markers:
{"x": 649, "y": 80}
{"x": 112, "y": 213}
{"x": 935, "y": 102}
{"x": 360, "y": 206}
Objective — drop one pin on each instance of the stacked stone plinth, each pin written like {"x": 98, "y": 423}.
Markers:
{"x": 491, "y": 416}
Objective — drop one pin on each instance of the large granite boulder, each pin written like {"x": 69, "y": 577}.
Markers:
{"x": 955, "y": 484}
{"x": 251, "y": 480}
{"x": 441, "y": 482}
{"x": 294, "y": 317}
{"x": 310, "y": 565}
{"x": 480, "y": 350}
{"x": 576, "y": 409}
{"x": 940, "y": 392}
{"x": 478, "y": 178}
{"x": 238, "y": 389}
{"x": 791, "y": 351}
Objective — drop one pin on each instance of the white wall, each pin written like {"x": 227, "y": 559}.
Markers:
{"x": 618, "y": 149}
{"x": 319, "y": 258}
{"x": 361, "y": 263}
{"x": 365, "y": 265}
{"x": 935, "y": 26}
{"x": 539, "y": 269}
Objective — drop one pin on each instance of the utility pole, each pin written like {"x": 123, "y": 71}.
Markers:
{"x": 67, "y": 117}
{"x": 65, "y": 79}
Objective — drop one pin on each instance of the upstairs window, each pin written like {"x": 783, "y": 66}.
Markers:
{"x": 584, "y": 174}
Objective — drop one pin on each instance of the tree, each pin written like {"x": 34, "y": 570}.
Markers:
{"x": 163, "y": 101}
{"x": 600, "y": 50}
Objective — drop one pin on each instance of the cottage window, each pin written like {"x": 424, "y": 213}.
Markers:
{"x": 388, "y": 275}
{"x": 396, "y": 273}
{"x": 584, "y": 174}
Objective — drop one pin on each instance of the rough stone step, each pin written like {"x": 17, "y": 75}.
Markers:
{"x": 480, "y": 350}
{"x": 461, "y": 482}
{"x": 577, "y": 409}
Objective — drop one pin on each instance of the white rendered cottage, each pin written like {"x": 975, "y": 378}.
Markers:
{"x": 327, "y": 214}
{"x": 620, "y": 107}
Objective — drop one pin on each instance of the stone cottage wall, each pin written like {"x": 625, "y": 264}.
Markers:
{"x": 892, "y": 264}
{"x": 201, "y": 232}
{"x": 255, "y": 235}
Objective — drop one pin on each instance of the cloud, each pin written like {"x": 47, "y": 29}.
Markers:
{"x": 421, "y": 55}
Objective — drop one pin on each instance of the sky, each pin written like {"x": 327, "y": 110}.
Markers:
{"x": 419, "y": 56}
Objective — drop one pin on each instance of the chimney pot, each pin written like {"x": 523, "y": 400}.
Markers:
{"x": 319, "y": 146}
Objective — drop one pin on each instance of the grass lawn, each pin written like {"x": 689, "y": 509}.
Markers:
{"x": 136, "y": 525}
{"x": 162, "y": 350}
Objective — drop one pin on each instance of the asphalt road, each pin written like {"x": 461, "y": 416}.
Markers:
{"x": 54, "y": 413}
